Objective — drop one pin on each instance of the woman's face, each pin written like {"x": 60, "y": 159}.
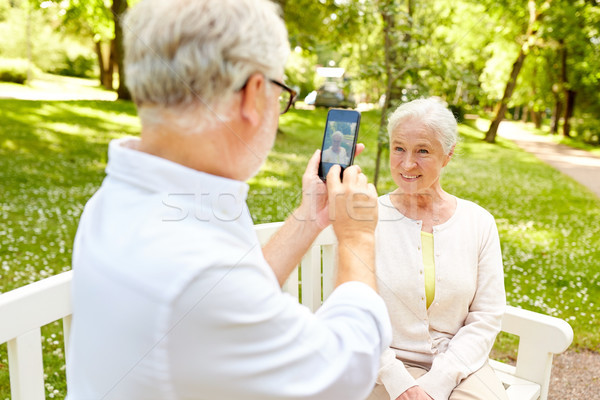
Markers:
{"x": 416, "y": 157}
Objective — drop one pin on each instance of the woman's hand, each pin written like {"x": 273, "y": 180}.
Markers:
{"x": 414, "y": 393}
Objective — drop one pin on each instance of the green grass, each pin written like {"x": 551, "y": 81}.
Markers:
{"x": 52, "y": 159}
{"x": 56, "y": 87}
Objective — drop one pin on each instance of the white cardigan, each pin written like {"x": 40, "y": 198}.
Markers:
{"x": 455, "y": 335}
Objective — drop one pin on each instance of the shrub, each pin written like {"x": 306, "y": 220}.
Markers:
{"x": 587, "y": 130}
{"x": 13, "y": 70}
{"x": 81, "y": 66}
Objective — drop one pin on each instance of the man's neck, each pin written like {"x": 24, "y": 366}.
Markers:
{"x": 199, "y": 151}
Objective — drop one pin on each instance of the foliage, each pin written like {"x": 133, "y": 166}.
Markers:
{"x": 91, "y": 18}
{"x": 309, "y": 22}
{"x": 587, "y": 130}
{"x": 300, "y": 71}
{"x": 35, "y": 34}
{"x": 13, "y": 70}
{"x": 80, "y": 66}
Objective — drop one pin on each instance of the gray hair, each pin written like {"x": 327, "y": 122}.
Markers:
{"x": 433, "y": 114}
{"x": 181, "y": 52}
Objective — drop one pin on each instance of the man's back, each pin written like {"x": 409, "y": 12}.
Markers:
{"x": 194, "y": 309}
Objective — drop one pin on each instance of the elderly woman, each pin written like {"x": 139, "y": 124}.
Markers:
{"x": 439, "y": 268}
{"x": 336, "y": 153}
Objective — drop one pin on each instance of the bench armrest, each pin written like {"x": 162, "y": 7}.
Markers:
{"x": 541, "y": 336}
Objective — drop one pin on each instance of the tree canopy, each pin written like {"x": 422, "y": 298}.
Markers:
{"x": 534, "y": 59}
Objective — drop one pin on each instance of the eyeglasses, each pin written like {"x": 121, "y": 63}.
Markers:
{"x": 286, "y": 98}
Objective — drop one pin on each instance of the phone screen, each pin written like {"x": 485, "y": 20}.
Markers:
{"x": 339, "y": 140}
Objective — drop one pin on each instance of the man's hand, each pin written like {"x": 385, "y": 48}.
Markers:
{"x": 286, "y": 248}
{"x": 313, "y": 207}
{"x": 352, "y": 203}
{"x": 414, "y": 393}
{"x": 314, "y": 193}
{"x": 353, "y": 212}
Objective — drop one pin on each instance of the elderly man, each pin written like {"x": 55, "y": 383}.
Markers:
{"x": 173, "y": 296}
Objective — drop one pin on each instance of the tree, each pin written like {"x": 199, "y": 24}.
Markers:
{"x": 569, "y": 37}
{"x": 93, "y": 19}
{"x": 312, "y": 24}
{"x": 535, "y": 16}
{"x": 102, "y": 24}
{"x": 118, "y": 10}
{"x": 389, "y": 9}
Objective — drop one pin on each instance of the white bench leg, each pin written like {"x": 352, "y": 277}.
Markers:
{"x": 26, "y": 367}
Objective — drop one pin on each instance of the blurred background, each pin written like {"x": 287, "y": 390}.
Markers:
{"x": 536, "y": 60}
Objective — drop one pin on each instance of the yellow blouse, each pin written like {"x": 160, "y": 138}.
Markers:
{"x": 429, "y": 263}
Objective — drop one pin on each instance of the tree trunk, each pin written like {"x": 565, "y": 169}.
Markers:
{"x": 387, "y": 27}
{"x": 501, "y": 108}
{"x": 99, "y": 56}
{"x": 556, "y": 117}
{"x": 570, "y": 107}
{"x": 536, "y": 117}
{"x": 105, "y": 64}
{"x": 557, "y": 112}
{"x": 524, "y": 114}
{"x": 569, "y": 94}
{"x": 118, "y": 9}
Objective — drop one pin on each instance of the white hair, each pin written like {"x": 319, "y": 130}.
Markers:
{"x": 181, "y": 53}
{"x": 337, "y": 134}
{"x": 433, "y": 114}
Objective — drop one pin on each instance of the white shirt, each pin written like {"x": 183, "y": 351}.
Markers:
{"x": 455, "y": 334}
{"x": 173, "y": 299}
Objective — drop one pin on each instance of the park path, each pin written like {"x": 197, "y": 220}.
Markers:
{"x": 575, "y": 374}
{"x": 580, "y": 165}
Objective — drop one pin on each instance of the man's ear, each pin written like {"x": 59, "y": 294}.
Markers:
{"x": 253, "y": 99}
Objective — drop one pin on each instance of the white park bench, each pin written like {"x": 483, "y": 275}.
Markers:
{"x": 25, "y": 310}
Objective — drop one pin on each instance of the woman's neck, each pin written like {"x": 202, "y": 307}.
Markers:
{"x": 433, "y": 207}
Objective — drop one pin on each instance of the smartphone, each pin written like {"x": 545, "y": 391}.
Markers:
{"x": 339, "y": 140}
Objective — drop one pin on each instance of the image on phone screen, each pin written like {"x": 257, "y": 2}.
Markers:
{"x": 339, "y": 140}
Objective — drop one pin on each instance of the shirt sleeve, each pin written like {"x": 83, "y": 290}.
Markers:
{"x": 469, "y": 349}
{"x": 394, "y": 375}
{"x": 239, "y": 336}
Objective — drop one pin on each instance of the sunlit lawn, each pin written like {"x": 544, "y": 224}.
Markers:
{"x": 52, "y": 159}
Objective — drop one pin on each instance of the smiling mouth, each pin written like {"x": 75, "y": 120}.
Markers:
{"x": 410, "y": 176}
